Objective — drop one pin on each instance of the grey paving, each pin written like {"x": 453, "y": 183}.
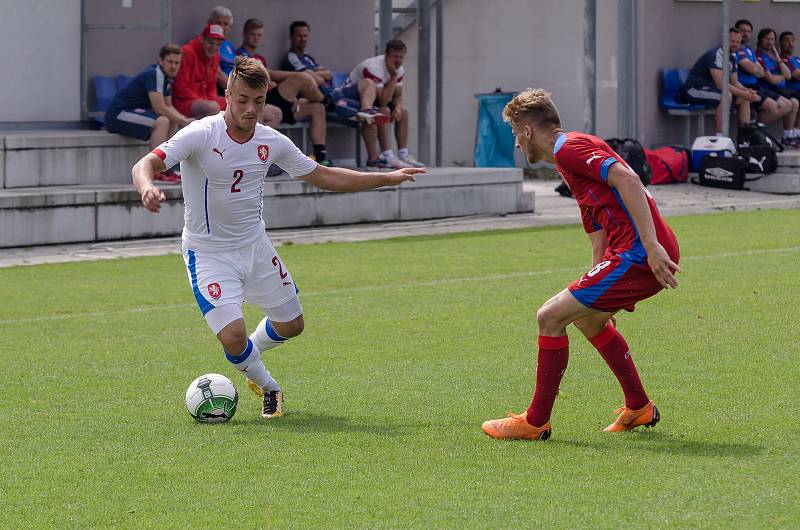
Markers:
{"x": 551, "y": 209}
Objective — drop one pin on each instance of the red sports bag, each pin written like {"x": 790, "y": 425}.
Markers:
{"x": 670, "y": 165}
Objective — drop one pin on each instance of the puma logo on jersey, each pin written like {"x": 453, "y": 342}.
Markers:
{"x": 594, "y": 156}
{"x": 219, "y": 153}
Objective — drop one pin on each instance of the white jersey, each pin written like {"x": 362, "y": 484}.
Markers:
{"x": 375, "y": 68}
{"x": 222, "y": 180}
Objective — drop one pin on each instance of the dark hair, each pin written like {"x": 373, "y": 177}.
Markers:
{"x": 395, "y": 45}
{"x": 763, "y": 33}
{"x": 743, "y": 21}
{"x": 785, "y": 34}
{"x": 298, "y": 24}
{"x": 169, "y": 49}
{"x": 734, "y": 30}
{"x": 251, "y": 71}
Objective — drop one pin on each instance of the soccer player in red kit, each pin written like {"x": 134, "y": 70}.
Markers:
{"x": 634, "y": 256}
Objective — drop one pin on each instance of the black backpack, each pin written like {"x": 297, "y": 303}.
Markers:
{"x": 632, "y": 152}
{"x": 756, "y": 136}
{"x": 760, "y": 159}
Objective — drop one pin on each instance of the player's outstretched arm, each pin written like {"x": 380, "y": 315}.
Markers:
{"x": 630, "y": 189}
{"x": 143, "y": 172}
{"x": 341, "y": 179}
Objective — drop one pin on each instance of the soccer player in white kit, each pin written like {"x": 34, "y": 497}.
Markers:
{"x": 228, "y": 255}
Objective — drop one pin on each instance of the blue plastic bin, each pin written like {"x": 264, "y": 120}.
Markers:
{"x": 494, "y": 141}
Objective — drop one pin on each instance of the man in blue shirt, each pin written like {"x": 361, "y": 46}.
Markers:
{"x": 776, "y": 73}
{"x": 704, "y": 84}
{"x": 772, "y": 106}
{"x": 792, "y": 62}
{"x": 297, "y": 60}
{"x": 142, "y": 108}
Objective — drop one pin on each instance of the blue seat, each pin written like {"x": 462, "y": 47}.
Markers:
{"x": 339, "y": 78}
{"x": 674, "y": 79}
{"x": 121, "y": 80}
{"x": 104, "y": 90}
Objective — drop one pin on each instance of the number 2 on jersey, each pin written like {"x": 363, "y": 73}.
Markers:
{"x": 277, "y": 263}
{"x": 238, "y": 175}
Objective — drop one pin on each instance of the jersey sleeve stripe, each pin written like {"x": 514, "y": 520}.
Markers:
{"x": 604, "y": 167}
{"x": 159, "y": 153}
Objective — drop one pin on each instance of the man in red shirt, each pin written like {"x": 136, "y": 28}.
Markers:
{"x": 195, "y": 90}
{"x": 634, "y": 256}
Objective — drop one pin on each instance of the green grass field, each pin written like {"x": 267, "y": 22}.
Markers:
{"x": 409, "y": 345}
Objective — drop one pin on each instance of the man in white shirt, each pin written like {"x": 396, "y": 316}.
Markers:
{"x": 228, "y": 256}
{"x": 377, "y": 83}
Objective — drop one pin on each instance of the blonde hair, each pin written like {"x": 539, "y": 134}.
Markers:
{"x": 251, "y": 71}
{"x": 534, "y": 104}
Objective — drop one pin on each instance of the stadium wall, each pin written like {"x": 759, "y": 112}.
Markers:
{"x": 515, "y": 44}
{"x": 43, "y": 43}
{"x": 519, "y": 43}
{"x": 40, "y": 61}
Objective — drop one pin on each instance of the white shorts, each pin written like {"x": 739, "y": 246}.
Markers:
{"x": 223, "y": 280}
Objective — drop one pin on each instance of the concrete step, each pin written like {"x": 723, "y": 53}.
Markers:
{"x": 781, "y": 183}
{"x": 64, "y": 157}
{"x": 65, "y": 214}
{"x": 789, "y": 158}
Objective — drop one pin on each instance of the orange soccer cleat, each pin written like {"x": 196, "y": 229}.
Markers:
{"x": 629, "y": 419}
{"x": 515, "y": 427}
{"x": 255, "y": 388}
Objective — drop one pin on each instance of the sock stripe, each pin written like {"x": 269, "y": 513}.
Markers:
{"x": 272, "y": 334}
{"x": 242, "y": 357}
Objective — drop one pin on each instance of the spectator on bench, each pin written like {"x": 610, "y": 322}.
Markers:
{"x": 195, "y": 90}
{"x": 297, "y": 60}
{"x": 792, "y": 62}
{"x": 296, "y": 95}
{"x": 143, "y": 109}
{"x": 775, "y": 75}
{"x": 251, "y": 40}
{"x": 377, "y": 83}
{"x": 704, "y": 84}
{"x": 772, "y": 105}
{"x": 223, "y": 17}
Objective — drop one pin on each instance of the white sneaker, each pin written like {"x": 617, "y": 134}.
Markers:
{"x": 383, "y": 163}
{"x": 411, "y": 161}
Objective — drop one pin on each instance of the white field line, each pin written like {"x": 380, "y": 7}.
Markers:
{"x": 389, "y": 287}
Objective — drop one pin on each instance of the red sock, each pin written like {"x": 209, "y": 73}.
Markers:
{"x": 550, "y": 366}
{"x": 616, "y": 354}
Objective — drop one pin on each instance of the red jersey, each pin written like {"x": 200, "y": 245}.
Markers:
{"x": 583, "y": 161}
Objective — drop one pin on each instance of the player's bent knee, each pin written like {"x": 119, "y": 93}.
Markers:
{"x": 290, "y": 329}
{"x": 233, "y": 337}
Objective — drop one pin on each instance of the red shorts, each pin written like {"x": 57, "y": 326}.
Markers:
{"x": 616, "y": 283}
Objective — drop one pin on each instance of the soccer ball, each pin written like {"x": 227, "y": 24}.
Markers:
{"x": 212, "y": 398}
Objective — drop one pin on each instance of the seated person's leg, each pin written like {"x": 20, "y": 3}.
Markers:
{"x": 400, "y": 115}
{"x": 287, "y": 104}
{"x": 300, "y": 85}
{"x": 271, "y": 116}
{"x": 204, "y": 107}
{"x": 315, "y": 111}
{"x": 743, "y": 110}
{"x": 134, "y": 123}
{"x": 160, "y": 132}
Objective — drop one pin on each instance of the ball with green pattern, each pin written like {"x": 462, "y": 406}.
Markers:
{"x": 212, "y": 398}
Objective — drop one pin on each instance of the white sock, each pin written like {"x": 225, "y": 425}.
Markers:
{"x": 388, "y": 154}
{"x": 250, "y": 364}
{"x": 265, "y": 337}
{"x": 403, "y": 153}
